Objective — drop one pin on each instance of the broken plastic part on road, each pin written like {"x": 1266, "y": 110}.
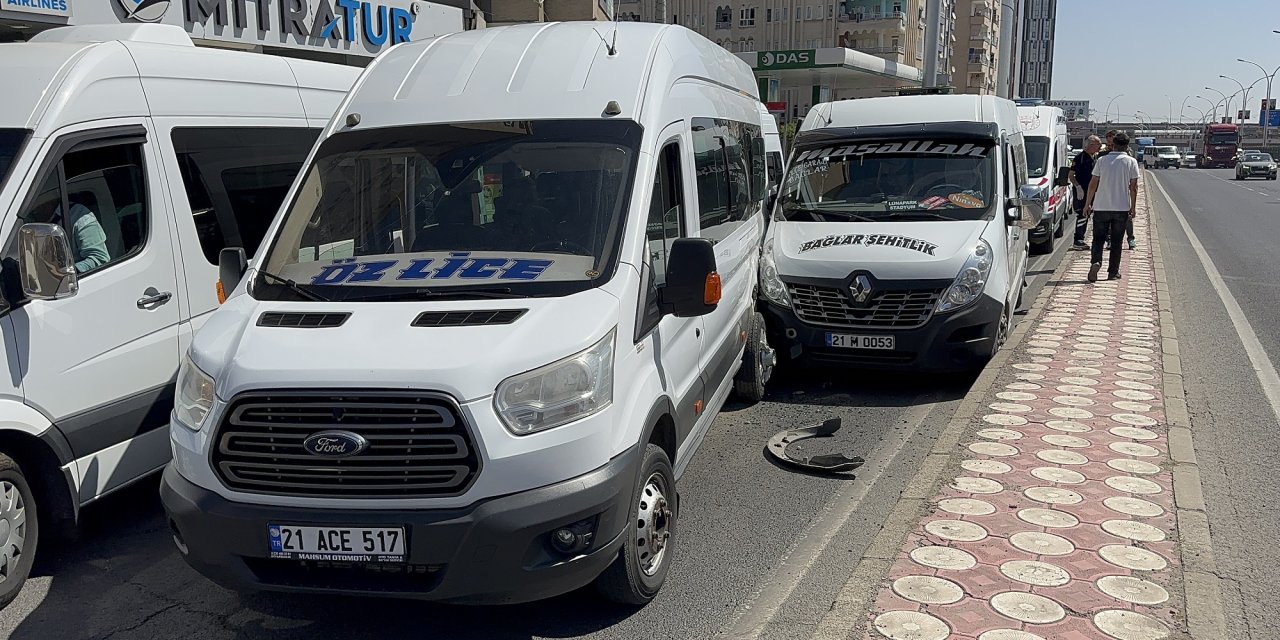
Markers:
{"x": 779, "y": 446}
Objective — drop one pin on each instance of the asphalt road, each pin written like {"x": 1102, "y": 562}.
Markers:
{"x": 759, "y": 546}
{"x": 1236, "y": 433}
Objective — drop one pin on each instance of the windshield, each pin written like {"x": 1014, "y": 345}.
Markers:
{"x": 1167, "y": 150}
{"x": 1258, "y": 157}
{"x": 900, "y": 180}
{"x": 1037, "y": 157}
{"x": 10, "y": 143}
{"x": 534, "y": 208}
{"x": 1223, "y": 138}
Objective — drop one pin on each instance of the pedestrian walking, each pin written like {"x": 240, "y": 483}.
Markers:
{"x": 1081, "y": 176}
{"x": 1112, "y": 203}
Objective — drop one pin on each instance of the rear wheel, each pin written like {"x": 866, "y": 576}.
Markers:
{"x": 1044, "y": 246}
{"x": 19, "y": 529}
{"x": 1061, "y": 229}
{"x": 758, "y": 361}
{"x": 638, "y": 572}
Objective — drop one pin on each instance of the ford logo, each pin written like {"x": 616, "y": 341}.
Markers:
{"x": 335, "y": 444}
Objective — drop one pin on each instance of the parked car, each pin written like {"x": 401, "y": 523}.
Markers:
{"x": 589, "y": 242}
{"x": 1256, "y": 165}
{"x": 1045, "y": 134}
{"x": 165, "y": 153}
{"x": 1188, "y": 159}
{"x": 900, "y": 238}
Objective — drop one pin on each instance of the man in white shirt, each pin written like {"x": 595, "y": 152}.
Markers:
{"x": 1112, "y": 202}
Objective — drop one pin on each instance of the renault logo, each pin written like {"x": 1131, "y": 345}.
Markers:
{"x": 861, "y": 289}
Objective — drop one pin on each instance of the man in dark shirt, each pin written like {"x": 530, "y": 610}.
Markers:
{"x": 1081, "y": 175}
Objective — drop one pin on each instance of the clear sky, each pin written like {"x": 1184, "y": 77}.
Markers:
{"x": 1150, "y": 49}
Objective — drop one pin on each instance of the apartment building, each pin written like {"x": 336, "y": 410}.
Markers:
{"x": 939, "y": 42}
{"x": 1040, "y": 19}
{"x": 977, "y": 53}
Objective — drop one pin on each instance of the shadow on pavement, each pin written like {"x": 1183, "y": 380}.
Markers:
{"x": 123, "y": 579}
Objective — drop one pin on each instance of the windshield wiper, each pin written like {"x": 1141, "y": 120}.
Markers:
{"x": 294, "y": 287}
{"x": 848, "y": 215}
{"x": 503, "y": 293}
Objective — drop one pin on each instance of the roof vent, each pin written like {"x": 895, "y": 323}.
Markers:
{"x": 153, "y": 33}
{"x": 467, "y": 318}
{"x": 302, "y": 320}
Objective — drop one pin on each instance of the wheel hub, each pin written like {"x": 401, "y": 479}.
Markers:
{"x": 13, "y": 531}
{"x": 653, "y": 525}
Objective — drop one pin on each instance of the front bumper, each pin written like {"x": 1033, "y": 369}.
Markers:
{"x": 1257, "y": 173}
{"x": 951, "y": 342}
{"x": 495, "y": 551}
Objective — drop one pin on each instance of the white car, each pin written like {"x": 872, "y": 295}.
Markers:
{"x": 900, "y": 238}
{"x": 498, "y": 314}
{"x": 161, "y": 154}
{"x": 1162, "y": 157}
{"x": 1044, "y": 130}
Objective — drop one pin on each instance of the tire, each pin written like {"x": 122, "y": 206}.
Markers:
{"x": 758, "y": 361}
{"x": 626, "y": 581}
{"x": 1061, "y": 229}
{"x": 19, "y": 538}
{"x": 1046, "y": 246}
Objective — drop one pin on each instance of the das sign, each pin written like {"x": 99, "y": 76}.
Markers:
{"x": 795, "y": 59}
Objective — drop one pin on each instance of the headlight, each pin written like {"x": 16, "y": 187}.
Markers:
{"x": 194, "y": 396}
{"x": 559, "y": 393}
{"x": 770, "y": 283}
{"x": 971, "y": 281}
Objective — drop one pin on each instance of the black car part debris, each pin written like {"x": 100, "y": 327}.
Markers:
{"x": 832, "y": 463}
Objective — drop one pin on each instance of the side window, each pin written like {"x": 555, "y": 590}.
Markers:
{"x": 774, "y": 160}
{"x": 666, "y": 210}
{"x": 729, "y": 164}
{"x": 98, "y": 196}
{"x": 236, "y": 178}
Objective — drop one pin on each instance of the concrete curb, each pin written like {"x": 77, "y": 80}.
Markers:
{"x": 1206, "y": 618}
{"x": 848, "y": 612}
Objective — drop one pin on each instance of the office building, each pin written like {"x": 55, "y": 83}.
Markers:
{"x": 1036, "y": 46}
{"x": 939, "y": 42}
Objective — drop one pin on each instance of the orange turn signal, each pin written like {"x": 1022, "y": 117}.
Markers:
{"x": 711, "y": 291}
{"x": 222, "y": 293}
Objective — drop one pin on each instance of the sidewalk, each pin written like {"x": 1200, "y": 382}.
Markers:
{"x": 1059, "y": 524}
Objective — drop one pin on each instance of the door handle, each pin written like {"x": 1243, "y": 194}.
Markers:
{"x": 154, "y": 299}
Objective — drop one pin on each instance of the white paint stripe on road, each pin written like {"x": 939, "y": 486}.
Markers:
{"x": 762, "y": 607}
{"x": 1262, "y": 366}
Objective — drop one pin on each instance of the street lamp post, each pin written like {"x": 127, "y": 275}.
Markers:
{"x": 1203, "y": 115}
{"x": 1266, "y": 115}
{"x": 1183, "y": 109}
{"x": 1226, "y": 111}
{"x": 1213, "y": 106}
{"x": 1244, "y": 100}
{"x": 1107, "y": 113}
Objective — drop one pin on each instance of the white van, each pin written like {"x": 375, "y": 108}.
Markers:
{"x": 899, "y": 240}
{"x": 775, "y": 160}
{"x": 1045, "y": 131}
{"x": 490, "y": 328}
{"x": 163, "y": 154}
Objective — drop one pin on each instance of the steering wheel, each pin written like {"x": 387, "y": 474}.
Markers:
{"x": 947, "y": 187}
{"x": 561, "y": 246}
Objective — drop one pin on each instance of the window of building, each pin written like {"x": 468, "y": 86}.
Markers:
{"x": 893, "y": 42}
{"x": 808, "y": 12}
{"x": 747, "y": 17}
{"x": 724, "y": 17}
{"x": 98, "y": 197}
{"x": 236, "y": 178}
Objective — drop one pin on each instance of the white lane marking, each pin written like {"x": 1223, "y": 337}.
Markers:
{"x": 1262, "y": 367}
{"x": 755, "y": 614}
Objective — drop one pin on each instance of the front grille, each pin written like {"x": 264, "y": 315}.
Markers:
{"x": 374, "y": 577}
{"x": 887, "y": 309}
{"x": 418, "y": 445}
{"x": 829, "y": 357}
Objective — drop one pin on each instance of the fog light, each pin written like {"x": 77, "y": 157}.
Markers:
{"x": 575, "y": 538}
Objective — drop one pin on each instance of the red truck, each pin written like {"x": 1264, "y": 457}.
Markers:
{"x": 1217, "y": 146}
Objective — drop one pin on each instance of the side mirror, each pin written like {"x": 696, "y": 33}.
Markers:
{"x": 1028, "y": 209}
{"x": 693, "y": 286}
{"x": 1064, "y": 177}
{"x": 45, "y": 263}
{"x": 232, "y": 264}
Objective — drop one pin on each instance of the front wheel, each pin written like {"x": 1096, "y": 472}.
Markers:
{"x": 19, "y": 529}
{"x": 758, "y": 361}
{"x": 638, "y": 572}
